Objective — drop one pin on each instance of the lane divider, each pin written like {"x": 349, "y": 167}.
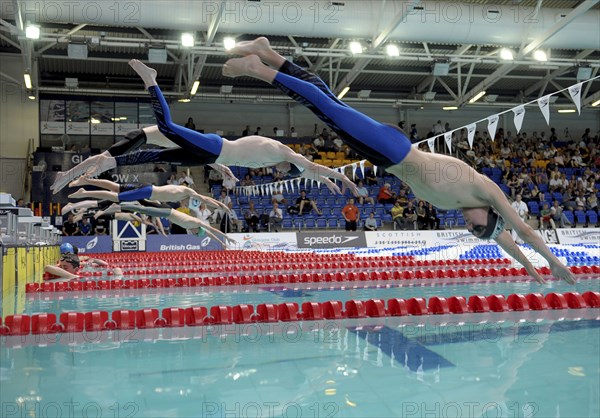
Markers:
{"x": 125, "y": 319}
{"x": 246, "y": 279}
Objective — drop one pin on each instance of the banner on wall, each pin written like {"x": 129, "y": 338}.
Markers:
{"x": 78, "y": 128}
{"x": 56, "y": 128}
{"x": 331, "y": 239}
{"x": 157, "y": 243}
{"x": 91, "y": 245}
{"x": 103, "y": 129}
{"x": 548, "y": 235}
{"x": 419, "y": 239}
{"x": 265, "y": 241}
{"x": 578, "y": 235}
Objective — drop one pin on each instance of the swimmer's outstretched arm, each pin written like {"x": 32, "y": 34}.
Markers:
{"x": 225, "y": 171}
{"x": 499, "y": 202}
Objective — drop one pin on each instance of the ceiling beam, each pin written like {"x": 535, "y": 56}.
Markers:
{"x": 321, "y": 59}
{"x": 459, "y": 51}
{"x": 448, "y": 89}
{"x": 299, "y": 50}
{"x": 551, "y": 31}
{"x": 26, "y": 44}
{"x": 152, "y": 38}
{"x": 61, "y": 39}
{"x": 556, "y": 73}
{"x": 376, "y": 44}
{"x": 10, "y": 41}
{"x": 591, "y": 99}
{"x": 210, "y": 36}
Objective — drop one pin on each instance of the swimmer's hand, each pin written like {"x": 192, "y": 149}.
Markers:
{"x": 535, "y": 274}
{"x": 333, "y": 188}
{"x": 560, "y": 271}
{"x": 348, "y": 184}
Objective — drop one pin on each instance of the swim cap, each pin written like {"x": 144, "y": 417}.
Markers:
{"x": 66, "y": 248}
{"x": 495, "y": 225}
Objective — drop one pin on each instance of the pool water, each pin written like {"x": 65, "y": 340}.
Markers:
{"x": 509, "y": 364}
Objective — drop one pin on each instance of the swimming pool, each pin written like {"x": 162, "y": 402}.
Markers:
{"x": 525, "y": 364}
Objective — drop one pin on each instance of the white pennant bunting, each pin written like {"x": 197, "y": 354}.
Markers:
{"x": 362, "y": 168}
{"x": 471, "y": 134}
{"x": 492, "y": 123}
{"x": 448, "y": 139}
{"x": 519, "y": 112}
{"x": 431, "y": 143}
{"x": 374, "y": 170}
{"x": 575, "y": 92}
{"x": 544, "y": 104}
{"x": 285, "y": 183}
{"x": 354, "y": 171}
{"x": 292, "y": 185}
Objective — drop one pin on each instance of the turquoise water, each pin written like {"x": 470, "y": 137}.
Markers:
{"x": 234, "y": 295}
{"x": 531, "y": 369}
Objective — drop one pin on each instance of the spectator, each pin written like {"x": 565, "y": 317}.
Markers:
{"x": 70, "y": 227}
{"x": 386, "y": 195}
{"x": 521, "y": 208}
{"x": 247, "y": 181}
{"x": 546, "y": 216}
{"x": 398, "y": 216}
{"x": 414, "y": 135}
{"x": 219, "y": 212}
{"x": 558, "y": 215}
{"x": 351, "y": 215}
{"x": 173, "y": 180}
{"x": 432, "y": 218}
{"x": 293, "y": 132}
{"x": 580, "y": 201}
{"x": 85, "y": 227}
{"x": 230, "y": 221}
{"x": 183, "y": 208}
{"x": 275, "y": 217}
{"x": 215, "y": 178}
{"x": 402, "y": 198}
{"x": 319, "y": 143}
{"x": 246, "y": 131}
{"x": 252, "y": 218}
{"x": 190, "y": 124}
{"x": 102, "y": 225}
{"x": 371, "y": 222}
{"x": 338, "y": 144}
{"x": 410, "y": 214}
{"x": 302, "y": 203}
{"x": 184, "y": 177}
{"x": 363, "y": 194}
{"x": 277, "y": 196}
{"x": 21, "y": 203}
{"x": 371, "y": 178}
{"x": 275, "y": 129}
{"x": 258, "y": 131}
{"x": 437, "y": 128}
{"x": 228, "y": 185}
{"x": 421, "y": 215}
{"x": 204, "y": 213}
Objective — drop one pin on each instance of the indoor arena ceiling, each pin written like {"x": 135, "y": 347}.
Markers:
{"x": 447, "y": 51}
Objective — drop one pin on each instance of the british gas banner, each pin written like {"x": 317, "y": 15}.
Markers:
{"x": 91, "y": 245}
{"x": 455, "y": 237}
{"x": 578, "y": 235}
{"x": 156, "y": 243}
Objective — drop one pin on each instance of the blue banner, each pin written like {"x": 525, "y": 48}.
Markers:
{"x": 155, "y": 243}
{"x": 91, "y": 245}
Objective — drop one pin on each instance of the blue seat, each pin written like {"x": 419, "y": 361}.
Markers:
{"x": 332, "y": 223}
{"x": 592, "y": 217}
{"x": 460, "y": 221}
{"x": 321, "y": 223}
{"x": 309, "y": 223}
{"x": 287, "y": 223}
{"x": 580, "y": 216}
{"x": 569, "y": 215}
{"x": 543, "y": 187}
{"x": 557, "y": 196}
{"x": 534, "y": 208}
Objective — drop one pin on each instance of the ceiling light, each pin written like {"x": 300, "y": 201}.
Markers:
{"x": 596, "y": 103}
{"x": 27, "y": 78}
{"x": 228, "y": 43}
{"x": 343, "y": 92}
{"x": 540, "y": 55}
{"x": 187, "y": 39}
{"x": 184, "y": 100}
{"x": 392, "y": 50}
{"x": 506, "y": 54}
{"x": 567, "y": 111}
{"x": 93, "y": 120}
{"x": 31, "y": 97}
{"x": 477, "y": 96}
{"x": 356, "y": 47}
{"x": 32, "y": 32}
{"x": 195, "y": 87}
{"x": 584, "y": 72}
{"x": 450, "y": 108}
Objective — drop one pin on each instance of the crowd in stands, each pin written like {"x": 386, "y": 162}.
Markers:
{"x": 552, "y": 180}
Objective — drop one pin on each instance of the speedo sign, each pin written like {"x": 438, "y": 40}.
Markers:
{"x": 332, "y": 239}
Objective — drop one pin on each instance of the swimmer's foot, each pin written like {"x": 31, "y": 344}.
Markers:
{"x": 84, "y": 204}
{"x": 65, "y": 177}
{"x": 79, "y": 194}
{"x": 147, "y": 74}
{"x": 111, "y": 210}
{"x": 259, "y": 46}
{"x": 237, "y": 67}
{"x": 81, "y": 181}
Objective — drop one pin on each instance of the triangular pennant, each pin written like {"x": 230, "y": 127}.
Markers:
{"x": 544, "y": 104}
{"x": 285, "y": 183}
{"x": 471, "y": 134}
{"x": 519, "y": 112}
{"x": 492, "y": 123}
{"x": 292, "y": 185}
{"x": 354, "y": 171}
{"x": 448, "y": 139}
{"x": 431, "y": 143}
{"x": 374, "y": 170}
{"x": 362, "y": 168}
{"x": 575, "y": 92}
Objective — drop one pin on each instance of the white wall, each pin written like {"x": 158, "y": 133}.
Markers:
{"x": 235, "y": 116}
{"x": 19, "y": 116}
